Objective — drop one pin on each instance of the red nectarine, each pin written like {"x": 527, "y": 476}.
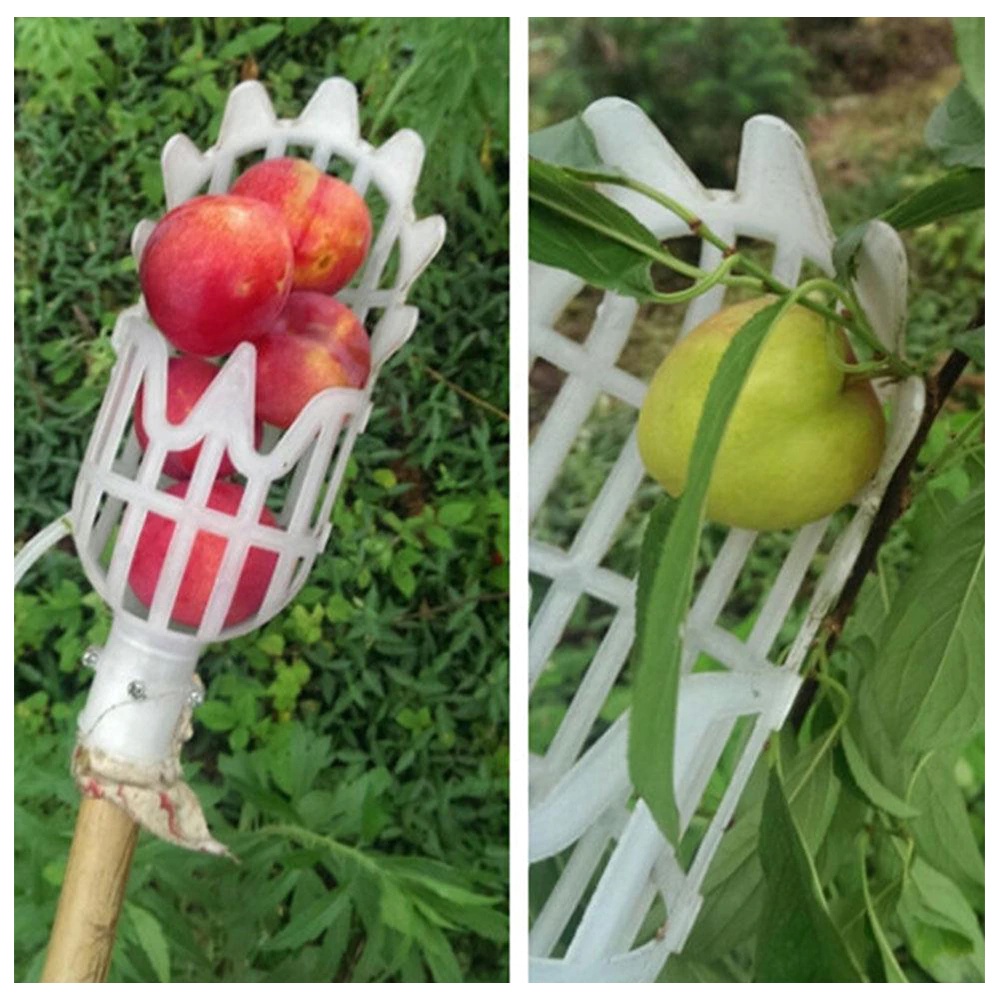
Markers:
{"x": 203, "y": 562}
{"x": 187, "y": 379}
{"x": 328, "y": 220}
{"x": 215, "y": 271}
{"x": 316, "y": 343}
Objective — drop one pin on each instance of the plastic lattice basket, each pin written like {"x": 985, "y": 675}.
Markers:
{"x": 143, "y": 678}
{"x": 601, "y": 919}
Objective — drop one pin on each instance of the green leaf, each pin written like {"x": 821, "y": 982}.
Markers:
{"x": 403, "y": 578}
{"x": 732, "y": 888}
{"x": 928, "y": 682}
{"x": 941, "y": 930}
{"x": 668, "y": 593}
{"x": 845, "y": 250}
{"x": 309, "y": 922}
{"x": 972, "y": 343}
{"x": 960, "y": 190}
{"x": 386, "y": 478}
{"x": 149, "y": 934}
{"x": 395, "y": 909}
{"x": 437, "y": 535}
{"x": 797, "y": 941}
{"x": 272, "y": 643}
{"x": 567, "y": 144}
{"x": 306, "y": 623}
{"x": 681, "y": 969}
{"x": 455, "y": 513}
{"x": 653, "y": 540}
{"x": 251, "y": 40}
{"x": 942, "y": 832}
{"x": 339, "y": 609}
{"x": 440, "y": 956}
{"x": 885, "y": 869}
{"x": 877, "y": 793}
{"x": 297, "y": 26}
{"x": 893, "y": 973}
{"x": 577, "y": 229}
{"x": 218, "y": 716}
{"x": 970, "y": 46}
{"x": 956, "y": 130}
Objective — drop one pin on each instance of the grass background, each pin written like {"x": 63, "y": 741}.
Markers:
{"x": 353, "y": 752}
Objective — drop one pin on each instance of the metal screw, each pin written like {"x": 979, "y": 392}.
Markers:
{"x": 91, "y": 657}
{"x": 136, "y": 690}
{"x": 195, "y": 697}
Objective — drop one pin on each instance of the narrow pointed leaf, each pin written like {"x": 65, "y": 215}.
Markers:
{"x": 310, "y": 922}
{"x": 893, "y": 973}
{"x": 869, "y": 784}
{"x": 575, "y": 228}
{"x": 928, "y": 682}
{"x": 972, "y": 343}
{"x": 970, "y": 46}
{"x": 960, "y": 190}
{"x": 149, "y": 933}
{"x": 941, "y": 930}
{"x": 956, "y": 130}
{"x": 797, "y": 940}
{"x": 566, "y": 144}
{"x": 942, "y": 832}
{"x": 666, "y": 591}
{"x": 733, "y": 886}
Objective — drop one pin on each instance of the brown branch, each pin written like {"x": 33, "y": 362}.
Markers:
{"x": 84, "y": 321}
{"x": 894, "y": 504}
{"x": 464, "y": 393}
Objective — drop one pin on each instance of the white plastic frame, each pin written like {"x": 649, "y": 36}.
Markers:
{"x": 144, "y": 672}
{"x": 580, "y": 797}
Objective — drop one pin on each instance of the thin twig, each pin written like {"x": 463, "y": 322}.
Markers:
{"x": 854, "y": 319}
{"x": 464, "y": 393}
{"x": 894, "y": 504}
{"x": 84, "y": 320}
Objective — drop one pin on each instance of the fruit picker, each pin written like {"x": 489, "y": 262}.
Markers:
{"x": 243, "y": 376}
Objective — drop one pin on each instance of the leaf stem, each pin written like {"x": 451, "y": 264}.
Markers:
{"x": 857, "y": 323}
{"x": 702, "y": 285}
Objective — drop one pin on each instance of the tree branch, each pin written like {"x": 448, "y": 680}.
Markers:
{"x": 894, "y": 504}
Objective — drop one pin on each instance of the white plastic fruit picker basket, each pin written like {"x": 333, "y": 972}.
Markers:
{"x": 615, "y": 863}
{"x": 138, "y": 709}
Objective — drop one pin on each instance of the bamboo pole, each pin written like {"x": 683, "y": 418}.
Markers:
{"x": 93, "y": 891}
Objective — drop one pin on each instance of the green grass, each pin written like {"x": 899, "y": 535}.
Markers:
{"x": 354, "y": 751}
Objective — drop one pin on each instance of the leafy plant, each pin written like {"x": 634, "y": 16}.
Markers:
{"x": 442, "y": 77}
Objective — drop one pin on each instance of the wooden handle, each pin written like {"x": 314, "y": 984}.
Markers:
{"x": 83, "y": 934}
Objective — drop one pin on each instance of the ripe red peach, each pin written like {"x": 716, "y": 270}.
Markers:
{"x": 203, "y": 562}
{"x": 187, "y": 379}
{"x": 329, "y": 222}
{"x": 317, "y": 343}
{"x": 215, "y": 271}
